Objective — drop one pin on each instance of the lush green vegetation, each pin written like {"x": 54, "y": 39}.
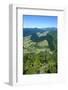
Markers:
{"x": 40, "y": 53}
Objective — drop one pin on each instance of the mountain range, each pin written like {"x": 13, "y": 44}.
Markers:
{"x": 30, "y": 31}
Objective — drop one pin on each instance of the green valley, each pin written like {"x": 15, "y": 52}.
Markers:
{"x": 40, "y": 52}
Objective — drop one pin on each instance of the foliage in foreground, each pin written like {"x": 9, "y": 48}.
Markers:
{"x": 44, "y": 61}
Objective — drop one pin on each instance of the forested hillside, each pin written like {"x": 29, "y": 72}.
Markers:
{"x": 40, "y": 51}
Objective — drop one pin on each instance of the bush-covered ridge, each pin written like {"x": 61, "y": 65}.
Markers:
{"x": 40, "y": 52}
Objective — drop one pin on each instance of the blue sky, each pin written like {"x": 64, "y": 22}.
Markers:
{"x": 39, "y": 21}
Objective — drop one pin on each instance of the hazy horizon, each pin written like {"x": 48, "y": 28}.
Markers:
{"x": 40, "y": 28}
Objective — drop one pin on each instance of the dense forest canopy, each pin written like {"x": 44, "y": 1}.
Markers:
{"x": 40, "y": 51}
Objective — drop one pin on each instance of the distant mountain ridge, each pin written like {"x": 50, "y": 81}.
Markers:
{"x": 30, "y": 31}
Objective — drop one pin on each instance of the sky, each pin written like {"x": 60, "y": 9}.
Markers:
{"x": 32, "y": 21}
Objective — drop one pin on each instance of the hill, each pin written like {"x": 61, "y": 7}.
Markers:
{"x": 40, "y": 51}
